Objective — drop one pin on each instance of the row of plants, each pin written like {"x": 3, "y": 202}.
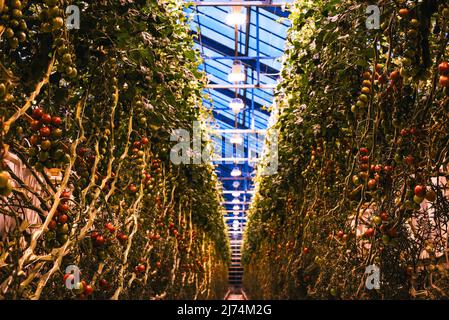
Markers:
{"x": 363, "y": 158}
{"x": 86, "y": 116}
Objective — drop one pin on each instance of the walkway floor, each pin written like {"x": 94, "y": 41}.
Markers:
{"x": 233, "y": 296}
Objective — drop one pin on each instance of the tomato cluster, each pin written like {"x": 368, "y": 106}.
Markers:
{"x": 47, "y": 148}
{"x": 16, "y": 26}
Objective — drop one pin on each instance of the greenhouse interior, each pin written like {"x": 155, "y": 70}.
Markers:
{"x": 224, "y": 150}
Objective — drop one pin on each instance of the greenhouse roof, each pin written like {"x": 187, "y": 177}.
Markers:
{"x": 259, "y": 45}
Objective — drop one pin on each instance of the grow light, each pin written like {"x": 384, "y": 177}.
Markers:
{"x": 236, "y": 172}
{"x": 236, "y": 138}
{"x": 237, "y": 74}
{"x": 236, "y": 16}
{"x": 235, "y": 194}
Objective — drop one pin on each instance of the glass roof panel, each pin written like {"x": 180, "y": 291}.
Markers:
{"x": 264, "y": 36}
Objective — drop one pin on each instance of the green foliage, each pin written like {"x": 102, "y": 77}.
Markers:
{"x": 335, "y": 208}
{"x": 120, "y": 85}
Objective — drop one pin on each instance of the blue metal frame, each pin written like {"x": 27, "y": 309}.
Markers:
{"x": 259, "y": 48}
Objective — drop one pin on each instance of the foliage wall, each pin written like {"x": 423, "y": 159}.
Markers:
{"x": 86, "y": 116}
{"x": 363, "y": 158}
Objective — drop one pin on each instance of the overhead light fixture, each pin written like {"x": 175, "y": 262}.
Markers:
{"x": 236, "y": 16}
{"x": 236, "y": 207}
{"x": 236, "y": 172}
{"x": 236, "y": 225}
{"x": 236, "y": 194}
{"x": 235, "y": 212}
{"x": 237, "y": 73}
{"x": 236, "y": 105}
{"x": 235, "y": 201}
{"x": 236, "y": 138}
{"x": 236, "y": 184}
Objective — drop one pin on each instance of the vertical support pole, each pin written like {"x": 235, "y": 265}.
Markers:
{"x": 253, "y": 116}
{"x": 257, "y": 45}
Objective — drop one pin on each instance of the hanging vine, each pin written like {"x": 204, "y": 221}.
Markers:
{"x": 363, "y": 158}
{"x": 86, "y": 180}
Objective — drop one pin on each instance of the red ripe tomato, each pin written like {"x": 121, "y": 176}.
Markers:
{"x": 372, "y": 184}
{"x": 420, "y": 191}
{"x": 63, "y": 218}
{"x": 46, "y": 118}
{"x": 123, "y": 237}
{"x": 57, "y": 121}
{"x": 45, "y": 131}
{"x": 394, "y": 76}
{"x": 443, "y": 67}
{"x": 141, "y": 268}
{"x": 388, "y": 169}
{"x": 340, "y": 234}
{"x": 384, "y": 216}
{"x": 37, "y": 112}
{"x": 404, "y": 132}
{"x": 409, "y": 160}
{"x": 65, "y": 195}
{"x": 104, "y": 283}
{"x": 364, "y": 159}
{"x": 404, "y": 12}
{"x": 110, "y": 227}
{"x": 99, "y": 240}
{"x": 88, "y": 290}
{"x": 158, "y": 264}
{"x": 144, "y": 141}
{"x": 364, "y": 151}
{"x": 132, "y": 188}
{"x": 369, "y": 232}
{"x": 306, "y": 250}
{"x": 63, "y": 207}
{"x": 444, "y": 81}
{"x": 94, "y": 235}
{"x": 378, "y": 168}
{"x": 136, "y": 144}
{"x": 364, "y": 167}
{"x": 52, "y": 225}
{"x": 35, "y": 125}
{"x": 34, "y": 140}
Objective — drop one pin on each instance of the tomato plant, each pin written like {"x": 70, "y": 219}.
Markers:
{"x": 375, "y": 102}
{"x": 86, "y": 117}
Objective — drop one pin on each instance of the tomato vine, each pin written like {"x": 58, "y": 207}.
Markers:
{"x": 363, "y": 158}
{"x": 85, "y": 178}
